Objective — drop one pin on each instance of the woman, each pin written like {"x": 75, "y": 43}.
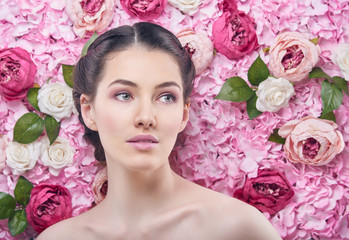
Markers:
{"x": 132, "y": 93}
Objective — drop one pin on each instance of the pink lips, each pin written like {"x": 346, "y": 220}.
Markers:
{"x": 143, "y": 142}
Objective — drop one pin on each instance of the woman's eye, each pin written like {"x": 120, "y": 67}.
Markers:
{"x": 167, "y": 98}
{"x": 123, "y": 96}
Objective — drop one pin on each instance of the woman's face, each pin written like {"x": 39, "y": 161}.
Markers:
{"x": 138, "y": 109}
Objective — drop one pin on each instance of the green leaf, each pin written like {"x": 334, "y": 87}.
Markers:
{"x": 68, "y": 74}
{"x": 314, "y": 40}
{"x": 28, "y": 128}
{"x": 251, "y": 107}
{"x": 258, "y": 72}
{"x": 7, "y": 205}
{"x": 329, "y": 116}
{"x": 235, "y": 89}
{"x": 275, "y": 137}
{"x": 341, "y": 84}
{"x": 318, "y": 73}
{"x": 32, "y": 97}
{"x": 88, "y": 43}
{"x": 52, "y": 128}
{"x": 331, "y": 97}
{"x": 22, "y": 190}
{"x": 18, "y": 223}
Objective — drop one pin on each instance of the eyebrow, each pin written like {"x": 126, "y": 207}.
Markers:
{"x": 132, "y": 84}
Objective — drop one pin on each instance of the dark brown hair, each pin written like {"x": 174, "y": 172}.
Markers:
{"x": 90, "y": 68}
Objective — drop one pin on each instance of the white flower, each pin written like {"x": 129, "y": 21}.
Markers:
{"x": 273, "y": 94}
{"x": 58, "y": 155}
{"x": 199, "y": 46}
{"x": 21, "y": 157}
{"x": 186, "y": 6}
{"x": 340, "y": 57}
{"x": 56, "y": 100}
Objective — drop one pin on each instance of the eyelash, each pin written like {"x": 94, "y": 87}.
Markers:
{"x": 123, "y": 94}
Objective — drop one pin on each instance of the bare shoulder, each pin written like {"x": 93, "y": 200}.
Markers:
{"x": 67, "y": 229}
{"x": 234, "y": 219}
{"x": 229, "y": 218}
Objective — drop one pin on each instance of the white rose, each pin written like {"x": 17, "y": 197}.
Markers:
{"x": 186, "y": 6}
{"x": 56, "y": 100}
{"x": 21, "y": 157}
{"x": 340, "y": 57}
{"x": 199, "y": 46}
{"x": 273, "y": 94}
{"x": 58, "y": 155}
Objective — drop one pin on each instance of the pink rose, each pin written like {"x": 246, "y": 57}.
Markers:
{"x": 199, "y": 46}
{"x": 234, "y": 33}
{"x": 292, "y": 56}
{"x": 269, "y": 192}
{"x": 17, "y": 73}
{"x": 100, "y": 185}
{"x": 144, "y": 9}
{"x": 90, "y": 15}
{"x": 48, "y": 205}
{"x": 311, "y": 140}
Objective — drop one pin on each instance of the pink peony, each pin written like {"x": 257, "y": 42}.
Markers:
{"x": 90, "y": 15}
{"x": 293, "y": 56}
{"x": 234, "y": 33}
{"x": 100, "y": 185}
{"x": 48, "y": 205}
{"x": 199, "y": 46}
{"x": 144, "y": 9}
{"x": 311, "y": 140}
{"x": 17, "y": 73}
{"x": 270, "y": 191}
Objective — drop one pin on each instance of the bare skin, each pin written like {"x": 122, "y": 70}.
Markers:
{"x": 146, "y": 200}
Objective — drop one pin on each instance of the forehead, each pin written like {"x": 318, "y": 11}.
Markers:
{"x": 142, "y": 66}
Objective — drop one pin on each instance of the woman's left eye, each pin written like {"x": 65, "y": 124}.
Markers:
{"x": 167, "y": 98}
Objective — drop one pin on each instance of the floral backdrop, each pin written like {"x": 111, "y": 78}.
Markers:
{"x": 269, "y": 121}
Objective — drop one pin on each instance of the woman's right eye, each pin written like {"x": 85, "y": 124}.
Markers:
{"x": 123, "y": 96}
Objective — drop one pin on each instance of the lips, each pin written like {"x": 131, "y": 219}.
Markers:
{"x": 143, "y": 142}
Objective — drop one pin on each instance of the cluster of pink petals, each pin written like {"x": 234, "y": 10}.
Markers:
{"x": 234, "y": 33}
{"x": 311, "y": 140}
{"x": 293, "y": 56}
{"x": 144, "y": 9}
{"x": 199, "y": 46}
{"x": 90, "y": 16}
{"x": 221, "y": 147}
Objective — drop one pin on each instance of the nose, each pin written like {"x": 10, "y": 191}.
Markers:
{"x": 145, "y": 117}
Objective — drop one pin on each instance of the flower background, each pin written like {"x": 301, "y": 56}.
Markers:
{"x": 220, "y": 147}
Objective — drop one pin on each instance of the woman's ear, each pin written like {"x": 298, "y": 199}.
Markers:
{"x": 185, "y": 116}
{"x": 87, "y": 112}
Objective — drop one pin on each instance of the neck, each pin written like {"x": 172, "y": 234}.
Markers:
{"x": 134, "y": 193}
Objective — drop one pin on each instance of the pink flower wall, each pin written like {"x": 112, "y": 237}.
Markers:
{"x": 221, "y": 148}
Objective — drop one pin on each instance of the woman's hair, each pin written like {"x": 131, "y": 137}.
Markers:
{"x": 89, "y": 70}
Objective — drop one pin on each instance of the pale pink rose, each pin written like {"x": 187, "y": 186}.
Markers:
{"x": 3, "y": 144}
{"x": 144, "y": 9}
{"x": 90, "y": 15}
{"x": 100, "y": 185}
{"x": 293, "y": 56}
{"x": 311, "y": 140}
{"x": 199, "y": 46}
